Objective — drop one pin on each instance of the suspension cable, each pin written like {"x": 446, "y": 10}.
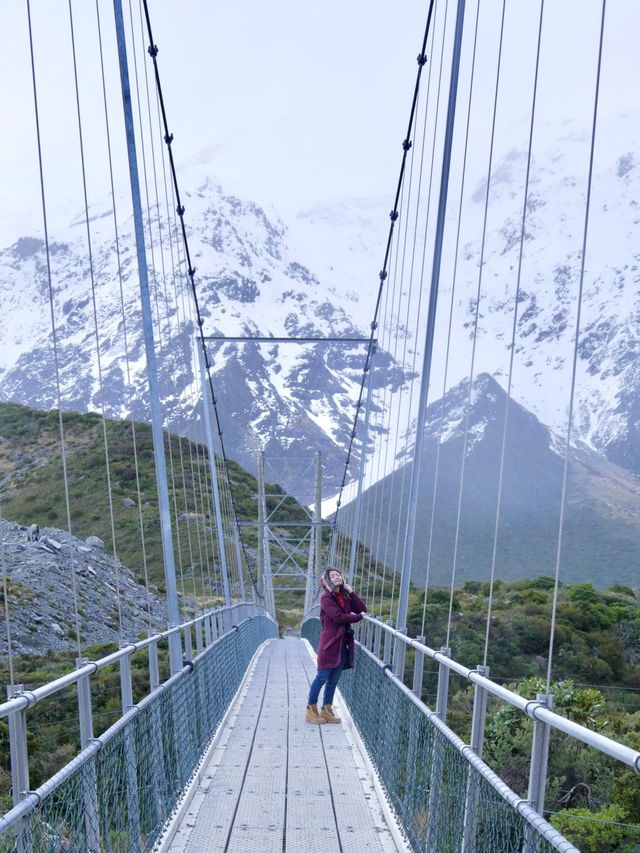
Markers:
{"x": 191, "y": 270}
{"x": 565, "y": 470}
{"x": 475, "y": 326}
{"x": 124, "y": 321}
{"x": 54, "y": 331}
{"x": 406, "y": 145}
{"x": 512, "y": 348}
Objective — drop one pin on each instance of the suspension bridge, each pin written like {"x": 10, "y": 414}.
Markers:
{"x": 208, "y": 748}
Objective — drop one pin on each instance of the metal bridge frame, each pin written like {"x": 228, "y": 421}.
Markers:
{"x": 267, "y": 533}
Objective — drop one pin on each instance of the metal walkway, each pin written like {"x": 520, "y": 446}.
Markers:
{"x": 276, "y": 783}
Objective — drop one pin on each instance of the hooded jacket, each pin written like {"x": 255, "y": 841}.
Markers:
{"x": 334, "y": 619}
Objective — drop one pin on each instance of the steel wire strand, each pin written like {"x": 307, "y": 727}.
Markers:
{"x": 406, "y": 145}
{"x": 512, "y": 346}
{"x": 450, "y": 322}
{"x": 54, "y": 331}
{"x": 168, "y": 138}
{"x": 565, "y": 469}
{"x": 475, "y": 329}
{"x": 5, "y": 602}
{"x": 424, "y": 253}
{"x": 148, "y": 123}
{"x": 124, "y": 321}
{"x": 96, "y": 329}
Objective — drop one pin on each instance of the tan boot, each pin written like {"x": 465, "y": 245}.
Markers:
{"x": 328, "y": 715}
{"x": 313, "y": 716}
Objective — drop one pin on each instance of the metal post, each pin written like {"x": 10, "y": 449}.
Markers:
{"x": 147, "y": 325}
{"x": 478, "y": 722}
{"x": 317, "y": 517}
{"x": 418, "y": 669}
{"x": 412, "y": 502}
{"x": 236, "y": 542}
{"x": 377, "y": 639}
{"x": 154, "y": 669}
{"x": 188, "y": 643}
{"x": 131, "y": 768}
{"x": 310, "y": 584}
{"x": 89, "y": 778}
{"x": 538, "y": 768}
{"x": 267, "y": 579}
{"x": 387, "y": 642}
{"x": 19, "y": 764}
{"x": 208, "y": 426}
{"x": 442, "y": 696}
{"x": 199, "y": 630}
{"x": 357, "y": 513}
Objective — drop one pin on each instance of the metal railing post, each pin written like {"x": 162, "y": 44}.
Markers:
{"x": 377, "y": 639}
{"x": 199, "y": 645}
{"x": 435, "y": 781}
{"x": 89, "y": 778}
{"x": 158, "y": 747}
{"x": 478, "y": 722}
{"x": 418, "y": 669}
{"x": 19, "y": 763}
{"x": 154, "y": 668}
{"x": 442, "y": 696}
{"x": 188, "y": 642}
{"x": 387, "y": 643}
{"x": 208, "y": 633}
{"x": 538, "y": 768}
{"x": 133, "y": 802}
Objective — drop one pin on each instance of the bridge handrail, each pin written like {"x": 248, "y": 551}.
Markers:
{"x": 33, "y": 798}
{"x": 531, "y": 707}
{"x": 28, "y": 698}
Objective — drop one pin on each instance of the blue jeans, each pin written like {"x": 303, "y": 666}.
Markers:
{"x": 328, "y": 677}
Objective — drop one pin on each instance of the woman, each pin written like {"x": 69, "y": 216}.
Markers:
{"x": 339, "y": 608}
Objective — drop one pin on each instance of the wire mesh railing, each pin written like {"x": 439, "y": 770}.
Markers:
{"x": 119, "y": 791}
{"x": 444, "y": 795}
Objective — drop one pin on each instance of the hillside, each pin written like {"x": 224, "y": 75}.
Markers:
{"x": 601, "y": 532}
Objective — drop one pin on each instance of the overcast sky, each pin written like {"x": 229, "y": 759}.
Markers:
{"x": 293, "y": 101}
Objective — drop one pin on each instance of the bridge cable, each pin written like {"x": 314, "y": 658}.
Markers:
{"x": 512, "y": 346}
{"x": 54, "y": 332}
{"x": 475, "y": 326}
{"x": 153, "y": 52}
{"x": 154, "y": 275}
{"x": 565, "y": 470}
{"x": 454, "y": 277}
{"x": 406, "y": 145}
{"x": 5, "y": 596}
{"x": 413, "y": 372}
{"x": 124, "y": 322}
{"x": 94, "y": 306}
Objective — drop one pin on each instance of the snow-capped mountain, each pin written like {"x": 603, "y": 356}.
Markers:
{"x": 601, "y": 528}
{"x": 317, "y": 275}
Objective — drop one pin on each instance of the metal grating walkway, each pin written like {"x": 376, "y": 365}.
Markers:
{"x": 275, "y": 783}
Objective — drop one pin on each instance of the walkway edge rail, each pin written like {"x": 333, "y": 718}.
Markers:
{"x": 132, "y": 740}
{"x": 531, "y": 707}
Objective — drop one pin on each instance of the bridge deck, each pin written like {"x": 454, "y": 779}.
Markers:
{"x": 276, "y": 783}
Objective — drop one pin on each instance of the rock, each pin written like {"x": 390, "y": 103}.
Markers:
{"x": 51, "y": 545}
{"x": 33, "y": 533}
{"x": 95, "y": 542}
{"x": 57, "y": 629}
{"x": 128, "y": 502}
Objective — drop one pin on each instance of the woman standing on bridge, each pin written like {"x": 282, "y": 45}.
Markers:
{"x": 340, "y": 607}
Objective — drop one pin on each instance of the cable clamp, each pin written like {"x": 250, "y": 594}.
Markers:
{"x": 393, "y": 215}
{"x": 192, "y": 271}
{"x": 180, "y": 210}
{"x": 200, "y": 322}
{"x": 188, "y": 663}
{"x": 152, "y": 50}
{"x": 422, "y": 59}
{"x": 406, "y": 145}
{"x": 374, "y": 326}
{"x": 168, "y": 138}
{"x": 215, "y": 400}
{"x": 382, "y": 274}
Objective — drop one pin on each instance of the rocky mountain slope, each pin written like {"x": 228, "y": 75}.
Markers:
{"x": 601, "y": 533}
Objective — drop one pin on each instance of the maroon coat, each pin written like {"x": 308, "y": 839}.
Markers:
{"x": 334, "y": 620}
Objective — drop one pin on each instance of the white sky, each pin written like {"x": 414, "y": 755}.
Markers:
{"x": 294, "y": 101}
